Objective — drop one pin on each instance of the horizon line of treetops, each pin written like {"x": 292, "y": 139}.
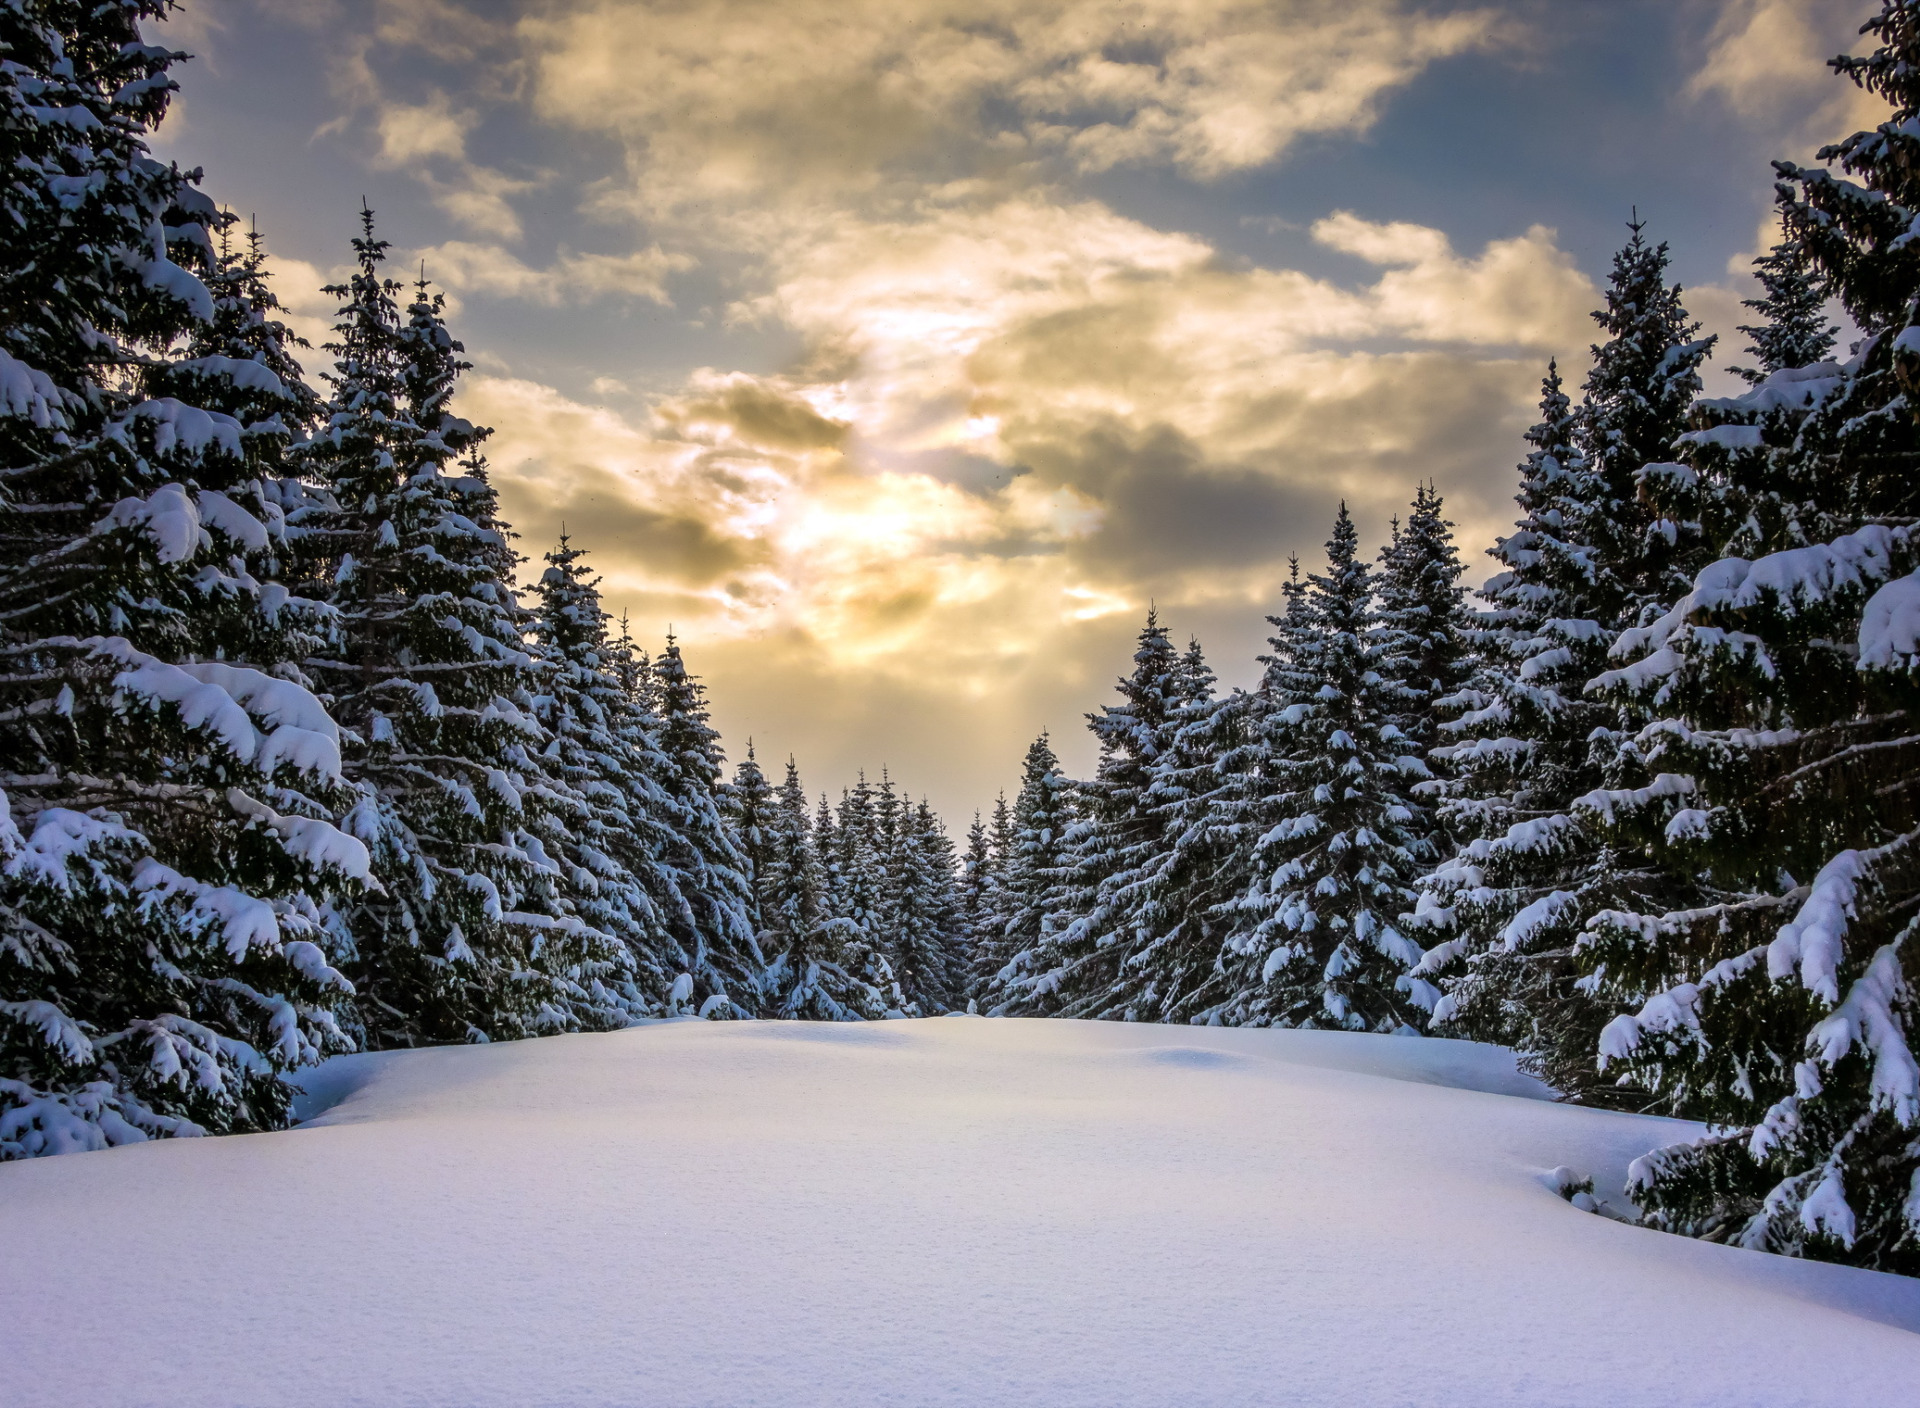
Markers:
{"x": 287, "y": 767}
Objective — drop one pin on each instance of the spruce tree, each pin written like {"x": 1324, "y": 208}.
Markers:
{"x": 1781, "y": 1009}
{"x": 1170, "y": 910}
{"x": 747, "y": 802}
{"x": 926, "y": 935}
{"x": 167, "y": 785}
{"x": 979, "y": 893}
{"x": 988, "y": 896}
{"x": 1425, "y": 625}
{"x": 1793, "y": 330}
{"x": 1113, "y": 841}
{"x": 1323, "y": 947}
{"x": 826, "y": 845}
{"x": 725, "y": 960}
{"x": 473, "y": 933}
{"x": 1610, "y": 529}
{"x": 608, "y": 823}
{"x": 808, "y": 949}
{"x": 1009, "y": 962}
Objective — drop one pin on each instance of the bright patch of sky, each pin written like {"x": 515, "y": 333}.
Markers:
{"x": 897, "y": 353}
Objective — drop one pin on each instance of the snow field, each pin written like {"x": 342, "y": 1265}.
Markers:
{"x": 949, "y": 1211}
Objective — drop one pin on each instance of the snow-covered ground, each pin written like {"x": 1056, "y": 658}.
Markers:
{"x": 953, "y": 1211}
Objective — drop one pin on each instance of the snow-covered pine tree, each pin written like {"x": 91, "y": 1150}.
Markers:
{"x": 1333, "y": 878}
{"x": 924, "y": 912}
{"x": 807, "y": 948}
{"x": 1426, "y": 627}
{"x": 979, "y": 891}
{"x": 1609, "y": 533}
{"x": 1793, "y": 330}
{"x": 1637, "y": 400}
{"x": 793, "y": 883}
{"x": 1522, "y": 727}
{"x": 166, "y": 790}
{"x": 1115, "y": 838}
{"x": 1782, "y": 1011}
{"x": 611, "y": 819}
{"x": 1031, "y": 884}
{"x": 1174, "y": 916}
{"x": 826, "y": 845}
{"x": 987, "y": 895}
{"x": 856, "y": 885}
{"x": 1256, "y": 793}
{"x": 747, "y": 804}
{"x": 472, "y": 935}
{"x": 726, "y": 960}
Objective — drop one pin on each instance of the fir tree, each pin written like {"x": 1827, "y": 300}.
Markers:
{"x": 1639, "y": 394}
{"x": 1780, "y": 1008}
{"x": 1169, "y": 909}
{"x": 979, "y": 888}
{"x": 748, "y": 804}
{"x": 472, "y": 934}
{"x": 611, "y": 825}
{"x": 925, "y": 921}
{"x": 1426, "y": 627}
{"x": 1609, "y": 527}
{"x": 1116, "y": 832}
{"x": 1009, "y": 961}
{"x": 725, "y": 960}
{"x": 808, "y": 949}
{"x": 166, "y": 783}
{"x": 1324, "y": 947}
{"x": 861, "y": 892}
{"x": 1793, "y": 330}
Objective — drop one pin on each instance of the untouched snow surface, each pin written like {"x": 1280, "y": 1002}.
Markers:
{"x": 953, "y": 1211}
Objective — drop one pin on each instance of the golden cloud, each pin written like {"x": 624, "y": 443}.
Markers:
{"x": 1044, "y": 413}
{"x": 726, "y": 100}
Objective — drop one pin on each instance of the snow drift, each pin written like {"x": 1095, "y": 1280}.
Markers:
{"x": 950, "y": 1211}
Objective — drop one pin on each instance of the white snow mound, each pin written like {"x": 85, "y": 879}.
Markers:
{"x": 951, "y": 1211}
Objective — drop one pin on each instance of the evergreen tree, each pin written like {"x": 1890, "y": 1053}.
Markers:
{"x": 1324, "y": 947}
{"x": 979, "y": 888}
{"x": 1115, "y": 836}
{"x": 1169, "y": 910}
{"x": 748, "y": 804}
{"x": 808, "y": 949}
{"x": 858, "y": 883}
{"x": 1426, "y": 627}
{"x": 611, "y": 823}
{"x": 826, "y": 845}
{"x": 725, "y": 960}
{"x": 1000, "y": 835}
{"x": 1638, "y": 397}
{"x": 1793, "y": 330}
{"x": 473, "y": 933}
{"x": 166, "y": 784}
{"x": 1780, "y": 1009}
{"x": 925, "y": 912}
{"x": 1609, "y": 529}
{"x": 1008, "y": 961}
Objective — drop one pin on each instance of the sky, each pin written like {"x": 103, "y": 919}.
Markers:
{"x": 898, "y": 355}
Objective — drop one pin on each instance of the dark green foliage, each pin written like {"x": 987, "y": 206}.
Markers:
{"x": 167, "y": 786}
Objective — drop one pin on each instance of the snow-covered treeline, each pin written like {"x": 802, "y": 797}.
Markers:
{"x": 1648, "y": 810}
{"x": 287, "y": 764}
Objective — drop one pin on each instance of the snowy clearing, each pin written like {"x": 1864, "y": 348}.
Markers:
{"x": 950, "y": 1211}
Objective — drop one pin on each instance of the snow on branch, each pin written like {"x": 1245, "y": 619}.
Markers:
{"x": 224, "y": 700}
{"x": 1890, "y": 626}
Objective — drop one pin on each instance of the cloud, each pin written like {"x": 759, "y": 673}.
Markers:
{"x": 1767, "y": 60}
{"x": 1040, "y": 413}
{"x": 722, "y": 102}
{"x": 495, "y": 272}
{"x": 1014, "y": 413}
